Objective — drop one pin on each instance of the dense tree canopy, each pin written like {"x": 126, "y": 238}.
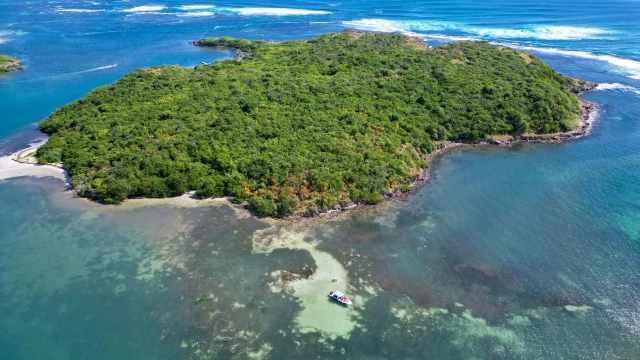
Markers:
{"x": 300, "y": 125}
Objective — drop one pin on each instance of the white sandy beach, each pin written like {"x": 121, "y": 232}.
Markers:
{"x": 11, "y": 168}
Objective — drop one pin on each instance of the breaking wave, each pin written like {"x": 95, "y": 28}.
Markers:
{"x": 198, "y": 13}
{"x": 546, "y": 33}
{"x": 276, "y": 11}
{"x": 6, "y": 34}
{"x": 145, "y": 9}
{"x": 390, "y": 26}
{"x": 196, "y": 7}
{"x": 80, "y": 10}
{"x": 631, "y": 68}
{"x": 423, "y": 29}
{"x": 617, "y": 86}
{"x": 533, "y": 32}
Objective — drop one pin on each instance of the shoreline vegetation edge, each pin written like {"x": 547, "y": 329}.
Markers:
{"x": 24, "y": 163}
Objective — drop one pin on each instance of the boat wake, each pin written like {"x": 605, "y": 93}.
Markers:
{"x": 96, "y": 69}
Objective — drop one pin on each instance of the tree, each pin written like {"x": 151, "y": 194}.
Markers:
{"x": 262, "y": 206}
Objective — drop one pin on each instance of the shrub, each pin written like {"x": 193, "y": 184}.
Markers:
{"x": 286, "y": 206}
{"x": 262, "y": 206}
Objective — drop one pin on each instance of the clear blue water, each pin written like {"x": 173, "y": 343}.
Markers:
{"x": 529, "y": 252}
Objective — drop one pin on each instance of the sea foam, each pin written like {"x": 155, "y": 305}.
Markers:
{"x": 430, "y": 29}
{"x": 276, "y": 11}
{"x": 6, "y": 34}
{"x": 631, "y": 68}
{"x": 80, "y": 10}
{"x": 545, "y": 33}
{"x": 197, "y": 14}
{"x": 145, "y": 9}
{"x": 534, "y": 32}
{"x": 196, "y": 7}
{"x": 618, "y": 86}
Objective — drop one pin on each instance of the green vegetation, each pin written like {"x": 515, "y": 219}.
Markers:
{"x": 6, "y": 59}
{"x": 229, "y": 43}
{"x": 8, "y": 63}
{"x": 300, "y": 125}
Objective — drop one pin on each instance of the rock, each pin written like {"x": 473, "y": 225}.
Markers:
{"x": 13, "y": 65}
{"x": 581, "y": 88}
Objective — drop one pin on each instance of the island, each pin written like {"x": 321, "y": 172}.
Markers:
{"x": 8, "y": 64}
{"x": 300, "y": 127}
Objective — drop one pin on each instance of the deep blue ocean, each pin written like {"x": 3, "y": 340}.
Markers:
{"x": 529, "y": 252}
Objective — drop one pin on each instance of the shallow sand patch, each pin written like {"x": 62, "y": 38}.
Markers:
{"x": 319, "y": 313}
{"x": 185, "y": 201}
{"x": 578, "y": 309}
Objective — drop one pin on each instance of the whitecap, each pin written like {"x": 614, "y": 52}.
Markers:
{"x": 276, "y": 11}
{"x": 150, "y": 13}
{"x": 618, "y": 86}
{"x": 631, "y": 68}
{"x": 145, "y": 9}
{"x": 545, "y": 33}
{"x": 197, "y": 14}
{"x": 196, "y": 7}
{"x": 422, "y": 29}
{"x": 404, "y": 27}
{"x": 80, "y": 10}
{"x": 6, "y": 34}
{"x": 534, "y": 32}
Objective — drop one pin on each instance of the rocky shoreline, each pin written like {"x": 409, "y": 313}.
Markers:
{"x": 12, "y": 65}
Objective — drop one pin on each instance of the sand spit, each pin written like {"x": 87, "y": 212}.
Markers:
{"x": 10, "y": 167}
{"x": 319, "y": 313}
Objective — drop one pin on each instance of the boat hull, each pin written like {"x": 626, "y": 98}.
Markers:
{"x": 340, "y": 300}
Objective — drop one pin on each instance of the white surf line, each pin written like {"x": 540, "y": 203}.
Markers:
{"x": 618, "y": 86}
{"x": 631, "y": 67}
{"x": 196, "y": 14}
{"x": 196, "y": 7}
{"x": 421, "y": 29}
{"x": 275, "y": 11}
{"x": 144, "y": 9}
{"x": 540, "y": 32}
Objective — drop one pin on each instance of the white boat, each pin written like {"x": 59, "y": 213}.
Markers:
{"x": 340, "y": 297}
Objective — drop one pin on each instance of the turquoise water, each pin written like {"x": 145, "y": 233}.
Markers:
{"x": 528, "y": 252}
